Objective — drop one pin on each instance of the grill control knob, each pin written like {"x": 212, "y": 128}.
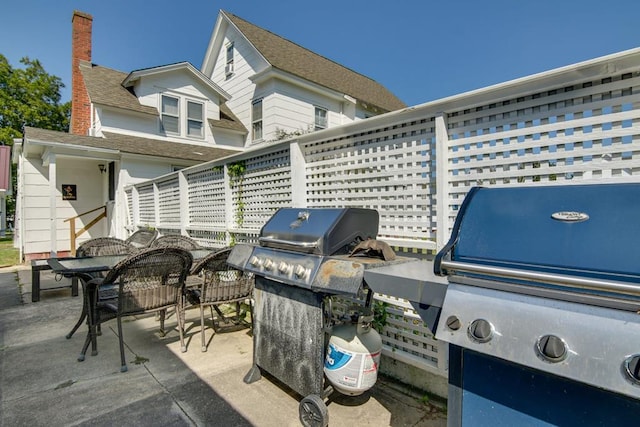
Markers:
{"x": 551, "y": 348}
{"x": 480, "y": 330}
{"x": 632, "y": 368}
{"x": 268, "y": 264}
{"x": 255, "y": 261}
{"x": 300, "y": 272}
{"x": 283, "y": 267}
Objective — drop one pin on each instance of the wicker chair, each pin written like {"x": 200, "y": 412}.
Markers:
{"x": 146, "y": 281}
{"x": 220, "y": 284}
{"x": 142, "y": 238}
{"x": 96, "y": 247}
{"x": 175, "y": 241}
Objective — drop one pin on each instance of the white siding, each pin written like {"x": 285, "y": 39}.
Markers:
{"x": 37, "y": 215}
{"x": 247, "y": 62}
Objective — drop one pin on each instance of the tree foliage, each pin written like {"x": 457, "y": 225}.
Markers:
{"x": 29, "y": 96}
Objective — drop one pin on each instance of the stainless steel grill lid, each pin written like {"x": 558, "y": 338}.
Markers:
{"x": 321, "y": 231}
{"x": 589, "y": 232}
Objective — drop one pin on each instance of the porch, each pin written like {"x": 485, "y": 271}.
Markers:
{"x": 43, "y": 384}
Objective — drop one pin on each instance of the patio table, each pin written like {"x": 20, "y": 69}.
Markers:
{"x": 87, "y": 268}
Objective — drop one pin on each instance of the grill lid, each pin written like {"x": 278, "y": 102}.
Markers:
{"x": 589, "y": 231}
{"x": 321, "y": 231}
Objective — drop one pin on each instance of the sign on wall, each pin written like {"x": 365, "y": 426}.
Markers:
{"x": 69, "y": 192}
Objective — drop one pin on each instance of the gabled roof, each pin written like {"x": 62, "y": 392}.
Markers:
{"x": 228, "y": 121}
{"x": 186, "y": 66}
{"x": 130, "y": 144}
{"x": 294, "y": 59}
{"x": 104, "y": 87}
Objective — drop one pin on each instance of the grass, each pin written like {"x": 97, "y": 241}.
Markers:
{"x": 8, "y": 254}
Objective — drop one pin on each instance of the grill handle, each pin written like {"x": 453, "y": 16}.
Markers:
{"x": 290, "y": 243}
{"x": 535, "y": 276}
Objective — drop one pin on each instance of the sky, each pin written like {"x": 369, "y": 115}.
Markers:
{"x": 421, "y": 50}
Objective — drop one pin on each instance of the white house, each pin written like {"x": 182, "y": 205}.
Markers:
{"x": 253, "y": 87}
{"x": 278, "y": 87}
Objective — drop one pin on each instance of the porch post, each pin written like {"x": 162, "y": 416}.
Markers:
{"x": 53, "y": 196}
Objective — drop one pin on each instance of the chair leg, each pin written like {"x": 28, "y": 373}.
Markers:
{"x": 202, "y": 335}
{"x": 163, "y": 313}
{"x": 181, "y": 321}
{"x": 123, "y": 363}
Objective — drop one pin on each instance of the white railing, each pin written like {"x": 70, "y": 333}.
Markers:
{"x": 577, "y": 124}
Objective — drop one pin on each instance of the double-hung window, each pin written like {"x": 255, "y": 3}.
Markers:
{"x": 194, "y": 119}
{"x": 256, "y": 119}
{"x": 171, "y": 114}
{"x": 228, "y": 68}
{"x": 320, "y": 118}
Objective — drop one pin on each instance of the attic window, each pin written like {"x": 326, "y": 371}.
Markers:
{"x": 228, "y": 68}
{"x": 320, "y": 118}
{"x": 256, "y": 119}
{"x": 170, "y": 114}
{"x": 194, "y": 119}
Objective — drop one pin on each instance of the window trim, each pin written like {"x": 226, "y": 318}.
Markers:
{"x": 189, "y": 119}
{"x": 163, "y": 114}
{"x": 229, "y": 60}
{"x": 254, "y": 121}
{"x": 317, "y": 126}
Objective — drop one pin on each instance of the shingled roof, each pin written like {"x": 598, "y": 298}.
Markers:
{"x": 294, "y": 59}
{"x": 131, "y": 145}
{"x": 104, "y": 86}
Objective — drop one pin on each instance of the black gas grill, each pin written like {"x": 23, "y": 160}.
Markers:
{"x": 303, "y": 257}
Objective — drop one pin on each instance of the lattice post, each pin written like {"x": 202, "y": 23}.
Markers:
{"x": 442, "y": 180}
{"x": 183, "y": 185}
{"x": 298, "y": 176}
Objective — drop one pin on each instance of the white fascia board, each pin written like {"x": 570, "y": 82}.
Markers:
{"x": 215, "y": 42}
{"x": 229, "y": 22}
{"x": 274, "y": 73}
{"x": 136, "y": 75}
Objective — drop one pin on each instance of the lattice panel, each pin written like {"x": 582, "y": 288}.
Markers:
{"x": 206, "y": 191}
{"x": 563, "y": 135}
{"x": 388, "y": 169}
{"x": 404, "y": 330}
{"x": 169, "y": 201}
{"x": 209, "y": 238}
{"x": 265, "y": 187}
{"x": 146, "y": 203}
{"x": 128, "y": 193}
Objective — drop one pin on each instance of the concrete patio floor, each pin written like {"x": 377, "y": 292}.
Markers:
{"x": 42, "y": 383}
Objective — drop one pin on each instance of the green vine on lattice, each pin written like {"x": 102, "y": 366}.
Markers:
{"x": 236, "y": 173}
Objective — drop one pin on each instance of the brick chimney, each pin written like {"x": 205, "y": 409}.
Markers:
{"x": 80, "y": 51}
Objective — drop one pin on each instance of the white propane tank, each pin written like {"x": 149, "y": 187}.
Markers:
{"x": 353, "y": 357}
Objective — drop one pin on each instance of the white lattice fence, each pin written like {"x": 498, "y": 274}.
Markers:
{"x": 575, "y": 125}
{"x": 206, "y": 197}
{"x": 169, "y": 203}
{"x": 388, "y": 169}
{"x": 146, "y": 205}
{"x": 567, "y": 134}
{"x": 265, "y": 186}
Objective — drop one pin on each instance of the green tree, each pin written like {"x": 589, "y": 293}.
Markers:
{"x": 29, "y": 96}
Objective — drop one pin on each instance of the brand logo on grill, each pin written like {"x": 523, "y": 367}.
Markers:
{"x": 570, "y": 216}
{"x": 302, "y": 216}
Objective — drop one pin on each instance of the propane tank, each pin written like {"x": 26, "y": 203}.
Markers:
{"x": 353, "y": 355}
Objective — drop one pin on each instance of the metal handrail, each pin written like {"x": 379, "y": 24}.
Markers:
{"x": 72, "y": 225}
